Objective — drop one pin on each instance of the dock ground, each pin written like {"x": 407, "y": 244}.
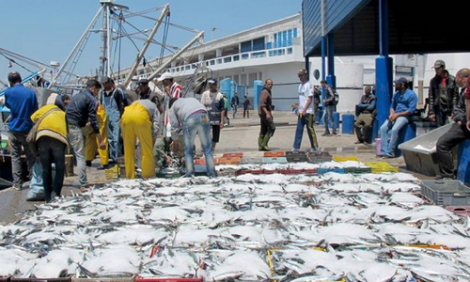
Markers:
{"x": 240, "y": 136}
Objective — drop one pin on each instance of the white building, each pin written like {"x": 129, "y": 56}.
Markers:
{"x": 274, "y": 50}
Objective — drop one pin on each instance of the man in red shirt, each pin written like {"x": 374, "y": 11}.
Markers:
{"x": 172, "y": 89}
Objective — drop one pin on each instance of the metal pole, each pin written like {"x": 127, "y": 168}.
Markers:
{"x": 177, "y": 54}
{"x": 146, "y": 45}
{"x": 104, "y": 41}
{"x": 108, "y": 37}
{"x": 75, "y": 48}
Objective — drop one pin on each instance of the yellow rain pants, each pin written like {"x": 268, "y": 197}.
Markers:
{"x": 92, "y": 143}
{"x": 135, "y": 123}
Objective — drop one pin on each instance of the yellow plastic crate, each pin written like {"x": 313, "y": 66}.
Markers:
{"x": 345, "y": 159}
{"x": 380, "y": 167}
{"x": 112, "y": 173}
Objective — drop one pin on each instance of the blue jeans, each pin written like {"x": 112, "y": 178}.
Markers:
{"x": 303, "y": 121}
{"x": 36, "y": 183}
{"x": 77, "y": 141}
{"x": 235, "y": 108}
{"x": 328, "y": 117}
{"x": 391, "y": 130}
{"x": 198, "y": 123}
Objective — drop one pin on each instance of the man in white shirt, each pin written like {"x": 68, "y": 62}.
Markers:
{"x": 306, "y": 114}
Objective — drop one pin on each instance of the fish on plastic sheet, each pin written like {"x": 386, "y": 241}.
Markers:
{"x": 169, "y": 262}
{"x": 15, "y": 261}
{"x": 139, "y": 235}
{"x": 115, "y": 261}
{"x": 406, "y": 200}
{"x": 236, "y": 266}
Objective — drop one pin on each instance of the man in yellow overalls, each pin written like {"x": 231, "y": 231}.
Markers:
{"x": 139, "y": 120}
{"x": 92, "y": 143}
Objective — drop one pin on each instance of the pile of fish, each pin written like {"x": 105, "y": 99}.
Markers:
{"x": 355, "y": 227}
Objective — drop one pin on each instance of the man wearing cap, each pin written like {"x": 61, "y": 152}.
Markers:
{"x": 82, "y": 108}
{"x": 403, "y": 106}
{"x": 214, "y": 102}
{"x": 112, "y": 101}
{"x": 367, "y": 112}
{"x": 443, "y": 94}
{"x": 457, "y": 133}
{"x": 306, "y": 114}
{"x": 22, "y": 103}
{"x": 172, "y": 89}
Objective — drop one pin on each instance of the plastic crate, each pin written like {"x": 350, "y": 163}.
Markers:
{"x": 102, "y": 279}
{"x": 231, "y": 155}
{"x": 61, "y": 279}
{"x": 140, "y": 279}
{"x": 357, "y": 170}
{"x": 463, "y": 211}
{"x": 299, "y": 153}
{"x": 202, "y": 161}
{"x": 274, "y": 154}
{"x": 326, "y": 170}
{"x": 112, "y": 173}
{"x": 319, "y": 159}
{"x": 245, "y": 160}
{"x": 446, "y": 192}
{"x": 279, "y": 160}
{"x": 345, "y": 159}
{"x": 381, "y": 167}
{"x": 297, "y": 159}
{"x": 5, "y": 278}
{"x": 229, "y": 160}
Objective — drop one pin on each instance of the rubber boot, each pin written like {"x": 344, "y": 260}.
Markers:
{"x": 260, "y": 143}
{"x": 265, "y": 142}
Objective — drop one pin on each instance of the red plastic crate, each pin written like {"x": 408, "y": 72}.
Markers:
{"x": 274, "y": 154}
{"x": 140, "y": 279}
{"x": 202, "y": 161}
{"x": 229, "y": 160}
{"x": 459, "y": 210}
{"x": 232, "y": 155}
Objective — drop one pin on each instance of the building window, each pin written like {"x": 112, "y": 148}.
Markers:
{"x": 245, "y": 56}
{"x": 246, "y": 47}
{"x": 227, "y": 59}
{"x": 236, "y": 58}
{"x": 295, "y": 32}
{"x": 188, "y": 67}
{"x": 212, "y": 62}
{"x": 258, "y": 44}
{"x": 289, "y": 37}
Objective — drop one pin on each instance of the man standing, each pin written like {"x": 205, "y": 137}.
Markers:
{"x": 457, "y": 133}
{"x": 22, "y": 103}
{"x": 214, "y": 103}
{"x": 443, "y": 94}
{"x": 305, "y": 113}
{"x": 190, "y": 116}
{"x": 330, "y": 105}
{"x": 235, "y": 103}
{"x": 140, "y": 120}
{"x": 246, "y": 107}
{"x": 403, "y": 106}
{"x": 112, "y": 101}
{"x": 82, "y": 108}
{"x": 367, "y": 112}
{"x": 172, "y": 89}
{"x": 265, "y": 114}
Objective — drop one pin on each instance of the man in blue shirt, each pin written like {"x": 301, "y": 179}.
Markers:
{"x": 403, "y": 106}
{"x": 22, "y": 103}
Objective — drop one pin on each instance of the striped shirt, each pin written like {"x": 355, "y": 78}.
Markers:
{"x": 175, "y": 90}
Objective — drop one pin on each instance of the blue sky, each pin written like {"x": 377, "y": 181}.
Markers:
{"x": 47, "y": 30}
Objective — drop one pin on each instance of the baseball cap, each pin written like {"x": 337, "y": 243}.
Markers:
{"x": 401, "y": 80}
{"x": 438, "y": 64}
{"x": 164, "y": 76}
{"x": 143, "y": 81}
{"x": 212, "y": 80}
{"x": 302, "y": 71}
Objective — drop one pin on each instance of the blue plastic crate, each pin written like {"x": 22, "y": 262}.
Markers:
{"x": 326, "y": 170}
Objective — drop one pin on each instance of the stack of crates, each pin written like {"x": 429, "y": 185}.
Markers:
{"x": 381, "y": 167}
{"x": 112, "y": 173}
{"x": 345, "y": 159}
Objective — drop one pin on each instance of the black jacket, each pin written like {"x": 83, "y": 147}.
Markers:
{"x": 451, "y": 91}
{"x": 82, "y": 107}
{"x": 460, "y": 113}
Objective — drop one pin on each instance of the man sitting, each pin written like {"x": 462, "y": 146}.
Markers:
{"x": 167, "y": 159}
{"x": 457, "y": 133}
{"x": 363, "y": 124}
{"x": 403, "y": 106}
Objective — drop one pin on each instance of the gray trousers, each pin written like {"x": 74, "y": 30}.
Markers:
{"x": 77, "y": 141}
{"x": 18, "y": 146}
